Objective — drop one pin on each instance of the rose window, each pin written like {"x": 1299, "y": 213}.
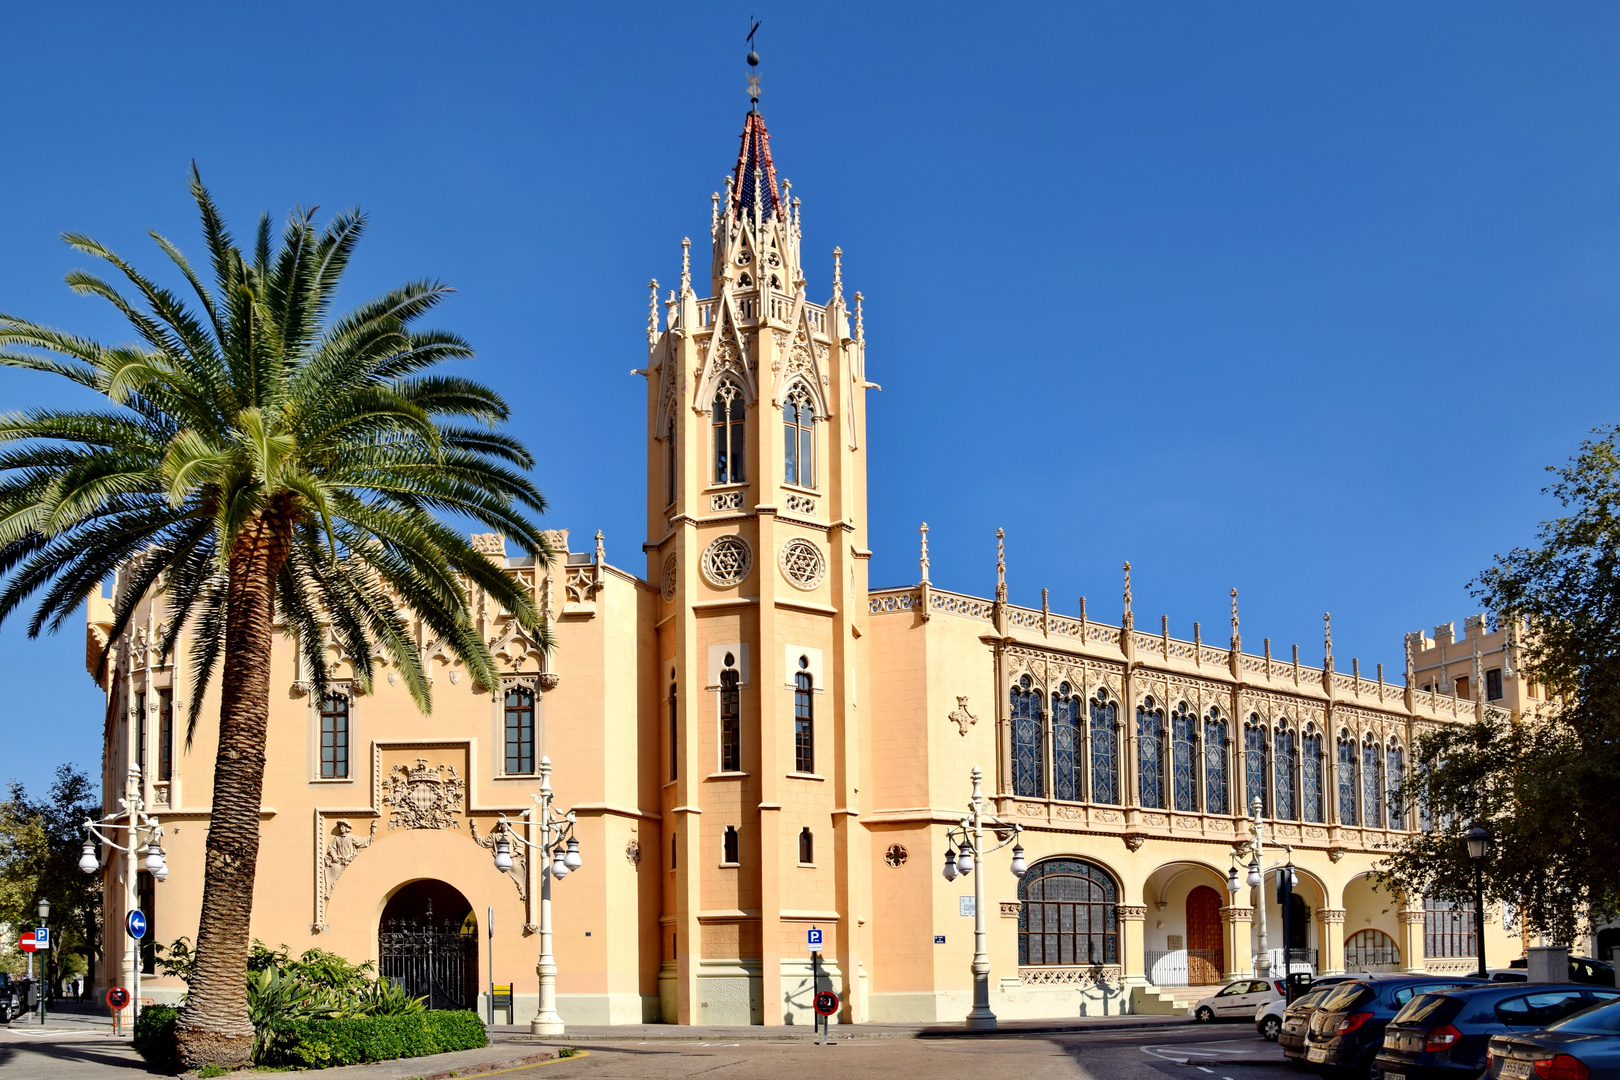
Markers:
{"x": 669, "y": 579}
{"x": 727, "y": 560}
{"x": 802, "y": 564}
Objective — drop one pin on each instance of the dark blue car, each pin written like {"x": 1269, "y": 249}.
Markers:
{"x": 1444, "y": 1035}
{"x": 1347, "y": 1029}
{"x": 1585, "y": 1046}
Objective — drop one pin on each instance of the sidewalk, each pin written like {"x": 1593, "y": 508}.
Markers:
{"x": 519, "y": 1033}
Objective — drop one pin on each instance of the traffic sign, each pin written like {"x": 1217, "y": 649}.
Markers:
{"x": 117, "y": 998}
{"x": 27, "y": 943}
{"x": 42, "y": 938}
{"x": 826, "y": 1003}
{"x": 135, "y": 924}
{"x": 812, "y": 938}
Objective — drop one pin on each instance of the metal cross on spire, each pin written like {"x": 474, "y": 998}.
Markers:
{"x": 753, "y": 64}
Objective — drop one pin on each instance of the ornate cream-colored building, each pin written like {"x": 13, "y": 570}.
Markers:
{"x": 756, "y": 743}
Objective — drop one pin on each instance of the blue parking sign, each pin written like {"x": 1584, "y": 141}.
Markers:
{"x": 813, "y": 938}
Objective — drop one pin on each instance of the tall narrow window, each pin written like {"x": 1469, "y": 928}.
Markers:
{"x": 1493, "y": 684}
{"x": 165, "y": 735}
{"x": 1254, "y": 765}
{"x": 804, "y": 722}
{"x": 146, "y": 897}
{"x": 674, "y": 851}
{"x": 1216, "y": 745}
{"x": 1448, "y": 928}
{"x": 730, "y": 435}
{"x": 729, "y": 846}
{"x": 1310, "y": 772}
{"x": 807, "y": 846}
{"x": 140, "y": 732}
{"x": 1104, "y": 749}
{"x": 1184, "y": 758}
{"x": 519, "y": 730}
{"x": 799, "y": 439}
{"x": 1028, "y": 753}
{"x": 1150, "y": 754}
{"x": 334, "y": 737}
{"x": 730, "y": 719}
{"x": 669, "y": 463}
{"x": 1284, "y": 759}
{"x": 674, "y": 733}
{"x": 1347, "y": 782}
{"x": 1066, "y": 744}
{"x": 1372, "y": 783}
{"x": 1396, "y": 759}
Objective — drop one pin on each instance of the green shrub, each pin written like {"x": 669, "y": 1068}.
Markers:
{"x": 322, "y": 1042}
{"x": 154, "y": 1036}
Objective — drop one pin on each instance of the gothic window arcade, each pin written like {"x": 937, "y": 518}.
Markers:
{"x": 1104, "y": 749}
{"x": 799, "y": 439}
{"x": 1184, "y": 758}
{"x": 1285, "y": 757}
{"x": 730, "y": 425}
{"x": 1372, "y": 781}
{"x": 1216, "y": 745}
{"x": 1310, "y": 774}
{"x": 1347, "y": 781}
{"x": 1068, "y": 745}
{"x": 1069, "y": 914}
{"x": 1150, "y": 753}
{"x": 1254, "y": 765}
{"x": 1028, "y": 748}
{"x": 1394, "y": 777}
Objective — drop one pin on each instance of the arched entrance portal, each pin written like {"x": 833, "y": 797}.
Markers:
{"x": 1206, "y": 952}
{"x": 427, "y": 942}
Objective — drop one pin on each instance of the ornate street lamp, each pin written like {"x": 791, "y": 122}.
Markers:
{"x": 144, "y": 836}
{"x": 964, "y": 848}
{"x": 1478, "y": 838}
{"x": 559, "y": 857}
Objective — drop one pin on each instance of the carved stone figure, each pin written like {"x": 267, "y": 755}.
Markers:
{"x": 342, "y": 849}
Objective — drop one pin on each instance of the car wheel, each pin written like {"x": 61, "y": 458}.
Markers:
{"x": 1270, "y": 1028}
{"x": 1205, "y": 1014}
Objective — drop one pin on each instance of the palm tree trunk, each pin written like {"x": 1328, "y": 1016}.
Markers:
{"x": 214, "y": 1026}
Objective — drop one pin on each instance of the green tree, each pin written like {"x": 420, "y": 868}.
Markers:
{"x": 40, "y": 844}
{"x": 260, "y": 458}
{"x": 1548, "y": 786}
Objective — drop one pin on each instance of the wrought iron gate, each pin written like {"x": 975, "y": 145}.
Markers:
{"x": 435, "y": 961}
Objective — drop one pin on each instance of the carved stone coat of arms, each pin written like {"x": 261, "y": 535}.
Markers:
{"x": 424, "y": 798}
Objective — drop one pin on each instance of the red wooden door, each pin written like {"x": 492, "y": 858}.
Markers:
{"x": 1206, "y": 953}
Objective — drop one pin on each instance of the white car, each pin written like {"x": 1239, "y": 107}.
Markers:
{"x": 1240, "y": 998}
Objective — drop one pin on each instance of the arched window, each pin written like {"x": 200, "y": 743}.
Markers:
{"x": 165, "y": 734}
{"x": 729, "y": 846}
{"x": 1254, "y": 764}
{"x": 1069, "y": 914}
{"x": 1448, "y": 928}
{"x": 674, "y": 731}
{"x": 807, "y": 846}
{"x": 669, "y": 463}
{"x": 1066, "y": 744}
{"x": 1104, "y": 748}
{"x": 1150, "y": 753}
{"x": 519, "y": 730}
{"x": 1284, "y": 757}
{"x": 804, "y": 722}
{"x": 1395, "y": 777}
{"x": 1216, "y": 744}
{"x": 730, "y": 718}
{"x": 1028, "y": 751}
{"x": 1184, "y": 758}
{"x": 730, "y": 435}
{"x": 1371, "y": 950}
{"x": 1347, "y": 781}
{"x": 799, "y": 438}
{"x": 1372, "y": 781}
{"x": 1311, "y": 773}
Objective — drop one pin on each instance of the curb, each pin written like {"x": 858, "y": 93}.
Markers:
{"x": 853, "y": 1032}
{"x": 488, "y": 1066}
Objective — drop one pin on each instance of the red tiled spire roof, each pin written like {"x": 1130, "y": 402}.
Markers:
{"x": 755, "y": 179}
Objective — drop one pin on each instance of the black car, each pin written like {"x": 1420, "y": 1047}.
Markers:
{"x": 1582, "y": 969}
{"x": 1444, "y": 1035}
{"x": 1347, "y": 1029}
{"x": 1585, "y": 1046}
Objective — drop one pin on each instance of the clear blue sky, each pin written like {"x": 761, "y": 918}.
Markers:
{"x": 1297, "y": 298}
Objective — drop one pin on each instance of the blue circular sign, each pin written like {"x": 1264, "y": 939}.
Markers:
{"x": 136, "y": 924}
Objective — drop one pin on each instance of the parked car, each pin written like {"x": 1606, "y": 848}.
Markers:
{"x": 1585, "y": 1046}
{"x": 1268, "y": 1018}
{"x": 1444, "y": 1035}
{"x": 1347, "y": 1028}
{"x": 1296, "y": 1018}
{"x": 1582, "y": 969}
{"x": 1238, "y": 998}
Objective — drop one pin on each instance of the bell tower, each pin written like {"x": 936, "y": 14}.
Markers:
{"x": 756, "y": 541}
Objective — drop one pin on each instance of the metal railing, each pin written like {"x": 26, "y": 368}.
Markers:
{"x": 1184, "y": 967}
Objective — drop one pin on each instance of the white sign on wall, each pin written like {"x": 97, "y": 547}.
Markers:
{"x": 965, "y": 906}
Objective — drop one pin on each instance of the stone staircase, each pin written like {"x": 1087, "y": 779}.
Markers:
{"x": 1168, "y": 1000}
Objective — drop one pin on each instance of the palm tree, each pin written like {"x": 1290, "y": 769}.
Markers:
{"x": 259, "y": 459}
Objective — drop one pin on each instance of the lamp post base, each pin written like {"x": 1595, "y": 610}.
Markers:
{"x": 981, "y": 1021}
{"x": 546, "y": 1025}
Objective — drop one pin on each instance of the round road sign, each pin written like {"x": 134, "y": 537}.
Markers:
{"x": 135, "y": 923}
{"x": 826, "y": 1003}
{"x": 117, "y": 998}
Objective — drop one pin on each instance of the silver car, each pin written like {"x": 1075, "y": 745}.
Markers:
{"x": 1239, "y": 999}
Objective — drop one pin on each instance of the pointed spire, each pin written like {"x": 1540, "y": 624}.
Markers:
{"x": 838, "y": 274}
{"x": 860, "y": 324}
{"x": 923, "y": 561}
{"x": 1001, "y": 566}
{"x": 714, "y": 215}
{"x": 1128, "y": 620}
{"x": 1327, "y": 640}
{"x": 601, "y": 555}
{"x": 754, "y": 191}
{"x": 652, "y": 310}
{"x": 686, "y": 265}
{"x": 1237, "y": 639}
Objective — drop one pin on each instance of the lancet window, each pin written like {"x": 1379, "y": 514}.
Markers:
{"x": 799, "y": 438}
{"x": 1067, "y": 744}
{"x": 674, "y": 731}
{"x": 1150, "y": 753}
{"x": 669, "y": 464}
{"x": 1216, "y": 745}
{"x": 730, "y": 718}
{"x": 165, "y": 734}
{"x": 1028, "y": 743}
{"x": 1254, "y": 764}
{"x": 1184, "y": 758}
{"x": 1310, "y": 771}
{"x": 1104, "y": 748}
{"x": 1284, "y": 755}
{"x": 730, "y": 423}
{"x": 1347, "y": 781}
{"x": 1372, "y": 781}
{"x": 1395, "y": 763}
{"x": 804, "y": 722}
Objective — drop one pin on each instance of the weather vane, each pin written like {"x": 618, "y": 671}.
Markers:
{"x": 753, "y": 65}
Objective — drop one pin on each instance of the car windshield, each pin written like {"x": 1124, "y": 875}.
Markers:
{"x": 1313, "y": 998}
{"x": 1604, "y": 1020}
{"x": 1343, "y": 996}
{"x": 1424, "y": 1007}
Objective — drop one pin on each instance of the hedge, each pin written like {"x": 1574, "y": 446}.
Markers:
{"x": 318, "y": 1044}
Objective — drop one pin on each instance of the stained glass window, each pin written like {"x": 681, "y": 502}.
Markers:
{"x": 1150, "y": 754}
{"x": 1104, "y": 749}
{"x": 1311, "y": 774}
{"x": 1216, "y": 745}
{"x": 1396, "y": 759}
{"x": 1184, "y": 758}
{"x": 1254, "y": 765}
{"x": 1448, "y": 928}
{"x": 1027, "y": 749}
{"x": 1285, "y": 759}
{"x": 1066, "y": 744}
{"x": 1347, "y": 782}
{"x": 730, "y": 435}
{"x": 1372, "y": 780}
{"x": 1069, "y": 914}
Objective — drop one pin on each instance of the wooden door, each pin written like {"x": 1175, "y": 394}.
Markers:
{"x": 1206, "y": 952}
